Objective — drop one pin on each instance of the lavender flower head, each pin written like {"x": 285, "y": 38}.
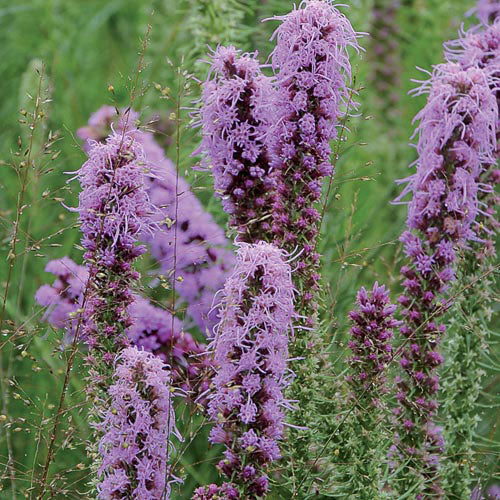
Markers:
{"x": 137, "y": 429}
{"x": 236, "y": 114}
{"x": 313, "y": 73}
{"x": 114, "y": 210}
{"x": 189, "y": 236}
{"x": 480, "y": 48}
{"x": 456, "y": 138}
{"x": 487, "y": 10}
{"x": 370, "y": 341}
{"x": 250, "y": 351}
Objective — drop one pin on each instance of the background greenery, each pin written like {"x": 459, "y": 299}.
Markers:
{"x": 89, "y": 52}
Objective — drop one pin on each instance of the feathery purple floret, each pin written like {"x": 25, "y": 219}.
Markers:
{"x": 250, "y": 351}
{"x": 456, "y": 139}
{"x": 236, "y": 115}
{"x": 313, "y": 73}
{"x": 202, "y": 259}
{"x": 480, "y": 48}
{"x": 370, "y": 341}
{"x": 114, "y": 210}
{"x": 137, "y": 429}
{"x": 487, "y": 10}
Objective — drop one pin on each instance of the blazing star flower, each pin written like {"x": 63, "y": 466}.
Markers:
{"x": 312, "y": 78}
{"x": 236, "y": 115}
{"x": 189, "y": 237}
{"x": 137, "y": 429}
{"x": 480, "y": 48}
{"x": 456, "y": 138}
{"x": 313, "y": 73}
{"x": 114, "y": 210}
{"x": 370, "y": 341}
{"x": 250, "y": 352}
{"x": 365, "y": 409}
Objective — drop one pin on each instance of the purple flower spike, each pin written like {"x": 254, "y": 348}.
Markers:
{"x": 137, "y": 429}
{"x": 235, "y": 116}
{"x": 250, "y": 351}
{"x": 456, "y": 141}
{"x": 202, "y": 260}
{"x": 114, "y": 210}
{"x": 370, "y": 344}
{"x": 313, "y": 74}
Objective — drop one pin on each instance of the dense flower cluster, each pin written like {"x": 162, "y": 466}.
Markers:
{"x": 236, "y": 114}
{"x": 384, "y": 54}
{"x": 480, "y": 48}
{"x": 456, "y": 138}
{"x": 137, "y": 429}
{"x": 370, "y": 341}
{"x": 189, "y": 237}
{"x": 250, "y": 351}
{"x": 313, "y": 72}
{"x": 214, "y": 492}
{"x": 114, "y": 210}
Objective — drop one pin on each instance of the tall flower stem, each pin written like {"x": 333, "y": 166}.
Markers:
{"x": 456, "y": 138}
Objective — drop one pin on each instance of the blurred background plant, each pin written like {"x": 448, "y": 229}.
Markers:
{"x": 60, "y": 62}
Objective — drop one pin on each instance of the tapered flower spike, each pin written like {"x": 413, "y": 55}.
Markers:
{"x": 313, "y": 74}
{"x": 250, "y": 352}
{"x": 187, "y": 234}
{"x": 359, "y": 452}
{"x": 456, "y": 138}
{"x": 314, "y": 95}
{"x": 136, "y": 427}
{"x": 114, "y": 210}
{"x": 236, "y": 113}
{"x": 469, "y": 320}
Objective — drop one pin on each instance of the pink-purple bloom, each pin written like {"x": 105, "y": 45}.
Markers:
{"x": 114, "y": 210}
{"x": 250, "y": 352}
{"x": 236, "y": 114}
{"x": 137, "y": 429}
{"x": 370, "y": 343}
{"x": 456, "y": 140}
{"x": 188, "y": 237}
{"x": 313, "y": 73}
